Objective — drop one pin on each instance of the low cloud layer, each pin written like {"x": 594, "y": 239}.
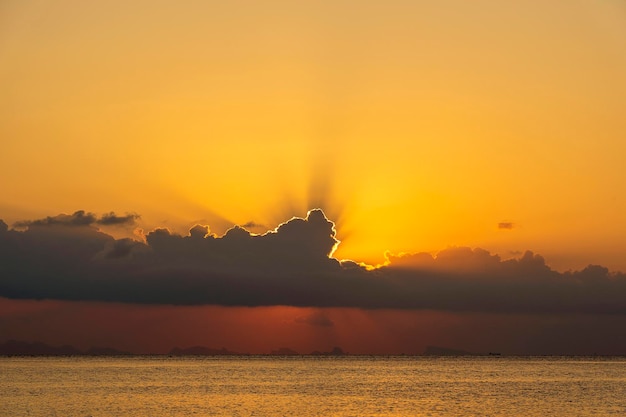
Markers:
{"x": 67, "y": 257}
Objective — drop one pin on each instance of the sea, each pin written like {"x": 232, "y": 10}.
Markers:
{"x": 312, "y": 386}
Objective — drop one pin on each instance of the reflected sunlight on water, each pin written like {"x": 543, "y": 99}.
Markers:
{"x": 312, "y": 386}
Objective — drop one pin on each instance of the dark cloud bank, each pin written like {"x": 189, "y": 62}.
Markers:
{"x": 67, "y": 258}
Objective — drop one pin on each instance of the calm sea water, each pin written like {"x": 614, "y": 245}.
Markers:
{"x": 310, "y": 386}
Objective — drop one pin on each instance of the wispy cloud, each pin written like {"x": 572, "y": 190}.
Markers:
{"x": 315, "y": 319}
{"x": 81, "y": 218}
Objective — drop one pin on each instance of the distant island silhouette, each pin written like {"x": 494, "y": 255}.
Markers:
{"x": 442, "y": 351}
{"x": 21, "y": 348}
{"x": 201, "y": 351}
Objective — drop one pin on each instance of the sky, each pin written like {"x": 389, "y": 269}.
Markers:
{"x": 379, "y": 176}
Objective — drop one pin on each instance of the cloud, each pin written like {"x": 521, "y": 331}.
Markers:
{"x": 315, "y": 319}
{"x": 111, "y": 219}
{"x": 253, "y": 225}
{"x": 506, "y": 225}
{"x": 120, "y": 249}
{"x": 81, "y": 218}
{"x": 68, "y": 258}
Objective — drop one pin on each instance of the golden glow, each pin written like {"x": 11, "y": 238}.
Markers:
{"x": 414, "y": 125}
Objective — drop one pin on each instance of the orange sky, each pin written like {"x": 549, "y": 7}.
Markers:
{"x": 416, "y": 125}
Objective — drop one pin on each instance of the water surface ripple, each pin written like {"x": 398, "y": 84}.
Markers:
{"x": 312, "y": 386}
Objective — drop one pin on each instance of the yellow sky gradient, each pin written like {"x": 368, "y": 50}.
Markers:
{"x": 415, "y": 125}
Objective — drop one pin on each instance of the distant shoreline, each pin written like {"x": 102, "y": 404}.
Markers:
{"x": 304, "y": 355}
{"x": 14, "y": 348}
